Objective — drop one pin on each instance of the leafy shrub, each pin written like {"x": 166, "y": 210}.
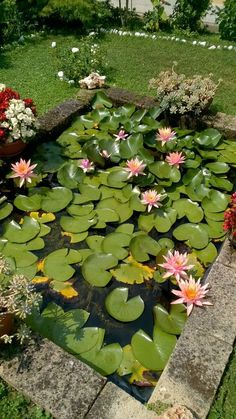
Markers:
{"x": 188, "y": 13}
{"x": 178, "y": 94}
{"x": 10, "y": 21}
{"x": 89, "y": 12}
{"x": 227, "y": 20}
{"x": 76, "y": 64}
{"x": 155, "y": 18}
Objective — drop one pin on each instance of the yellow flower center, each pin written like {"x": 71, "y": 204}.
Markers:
{"x": 191, "y": 292}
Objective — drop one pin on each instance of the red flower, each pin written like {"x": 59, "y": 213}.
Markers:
{"x": 2, "y": 135}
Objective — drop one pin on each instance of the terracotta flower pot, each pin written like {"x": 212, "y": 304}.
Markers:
{"x": 12, "y": 149}
{"x": 6, "y": 324}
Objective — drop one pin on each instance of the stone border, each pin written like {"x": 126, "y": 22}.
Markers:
{"x": 69, "y": 389}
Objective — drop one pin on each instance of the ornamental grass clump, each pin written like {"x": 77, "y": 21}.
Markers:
{"x": 179, "y": 95}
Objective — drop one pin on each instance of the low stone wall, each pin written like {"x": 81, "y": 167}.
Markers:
{"x": 69, "y": 389}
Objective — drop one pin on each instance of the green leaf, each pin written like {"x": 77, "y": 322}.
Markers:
{"x": 129, "y": 148}
{"x": 187, "y": 208}
{"x": 218, "y": 167}
{"x": 5, "y": 209}
{"x": 117, "y": 177}
{"x": 122, "y": 209}
{"x": 70, "y": 175}
{"x": 100, "y": 100}
{"x": 25, "y": 203}
{"x": 114, "y": 243}
{"x": 95, "y": 243}
{"x": 172, "y": 322}
{"x": 94, "y": 269}
{"x": 151, "y": 354}
{"x": 57, "y": 264}
{"x": 122, "y": 310}
{"x": 143, "y": 245}
{"x": 207, "y": 255}
{"x": 87, "y": 193}
{"x": 77, "y": 224}
{"x": 217, "y": 202}
{"x": 21, "y": 233}
{"x": 79, "y": 210}
{"x": 208, "y": 138}
{"x": 195, "y": 234}
{"x": 165, "y": 219}
{"x": 56, "y": 199}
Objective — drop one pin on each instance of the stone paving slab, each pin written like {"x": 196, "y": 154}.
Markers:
{"x": 218, "y": 320}
{"x": 193, "y": 373}
{"x": 227, "y": 255}
{"x": 55, "y": 380}
{"x": 114, "y": 403}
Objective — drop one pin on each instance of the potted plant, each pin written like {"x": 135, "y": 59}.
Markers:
{"x": 230, "y": 220}
{"x": 17, "y": 299}
{"x": 18, "y": 123}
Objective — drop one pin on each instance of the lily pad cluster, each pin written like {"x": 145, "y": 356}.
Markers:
{"x": 110, "y": 239}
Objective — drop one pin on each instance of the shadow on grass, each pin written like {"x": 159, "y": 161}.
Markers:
{"x": 5, "y": 61}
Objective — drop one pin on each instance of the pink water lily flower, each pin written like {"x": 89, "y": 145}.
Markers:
{"x": 175, "y": 159}
{"x": 176, "y": 265}
{"x": 151, "y": 198}
{"x": 191, "y": 293}
{"x": 121, "y": 135}
{"x": 24, "y": 171}
{"x": 165, "y": 134}
{"x": 135, "y": 167}
{"x": 86, "y": 165}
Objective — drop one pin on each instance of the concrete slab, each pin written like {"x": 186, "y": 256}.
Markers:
{"x": 193, "y": 373}
{"x": 114, "y": 403}
{"x": 55, "y": 380}
{"x": 218, "y": 320}
{"x": 227, "y": 254}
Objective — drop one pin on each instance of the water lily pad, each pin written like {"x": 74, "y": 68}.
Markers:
{"x": 104, "y": 359}
{"x": 146, "y": 222}
{"x": 83, "y": 340}
{"x": 25, "y": 203}
{"x": 218, "y": 167}
{"x": 83, "y": 209}
{"x": 187, "y": 208}
{"x": 216, "y": 202}
{"x": 95, "y": 269}
{"x": 114, "y": 243}
{"x": 142, "y": 246}
{"x": 100, "y": 100}
{"x": 172, "y": 322}
{"x": 5, "y": 209}
{"x": 56, "y": 199}
{"x": 207, "y": 255}
{"x": 57, "y": 264}
{"x": 163, "y": 170}
{"x": 70, "y": 175}
{"x": 208, "y": 138}
{"x": 87, "y": 193}
{"x": 95, "y": 243}
{"x": 21, "y": 233}
{"x": 77, "y": 224}
{"x": 75, "y": 237}
{"x": 45, "y": 217}
{"x": 130, "y": 147}
{"x": 165, "y": 219}
{"x": 122, "y": 309}
{"x": 107, "y": 215}
{"x": 122, "y": 209}
{"x": 125, "y": 228}
{"x": 117, "y": 177}
{"x": 153, "y": 354}
{"x": 132, "y": 272}
{"x": 195, "y": 234}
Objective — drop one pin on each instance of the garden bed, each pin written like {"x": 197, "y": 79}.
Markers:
{"x": 65, "y": 116}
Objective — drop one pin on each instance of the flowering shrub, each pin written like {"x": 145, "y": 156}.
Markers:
{"x": 17, "y": 116}
{"x": 179, "y": 94}
{"x": 230, "y": 218}
{"x": 80, "y": 61}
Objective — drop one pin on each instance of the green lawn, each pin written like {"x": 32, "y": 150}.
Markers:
{"x": 32, "y": 68}
{"x": 14, "y": 406}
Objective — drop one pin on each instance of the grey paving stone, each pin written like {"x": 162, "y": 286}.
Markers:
{"x": 114, "y": 403}
{"x": 55, "y": 380}
{"x": 193, "y": 373}
{"x": 218, "y": 320}
{"x": 227, "y": 255}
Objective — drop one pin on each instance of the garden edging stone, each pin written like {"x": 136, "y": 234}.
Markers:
{"x": 196, "y": 366}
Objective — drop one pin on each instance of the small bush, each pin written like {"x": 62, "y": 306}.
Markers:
{"x": 157, "y": 18}
{"x": 10, "y": 21}
{"x": 227, "y": 20}
{"x": 188, "y": 13}
{"x": 77, "y": 64}
{"x": 180, "y": 95}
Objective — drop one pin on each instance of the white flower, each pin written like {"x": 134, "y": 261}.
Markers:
{"x": 74, "y": 50}
{"x": 194, "y": 42}
{"x": 53, "y": 44}
{"x": 2, "y": 87}
{"x": 71, "y": 81}
{"x": 60, "y": 74}
{"x": 230, "y": 47}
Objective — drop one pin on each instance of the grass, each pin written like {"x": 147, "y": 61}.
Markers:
{"x": 32, "y": 68}
{"x": 224, "y": 406}
{"x": 14, "y": 406}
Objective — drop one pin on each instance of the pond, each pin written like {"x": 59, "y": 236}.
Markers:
{"x": 115, "y": 197}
